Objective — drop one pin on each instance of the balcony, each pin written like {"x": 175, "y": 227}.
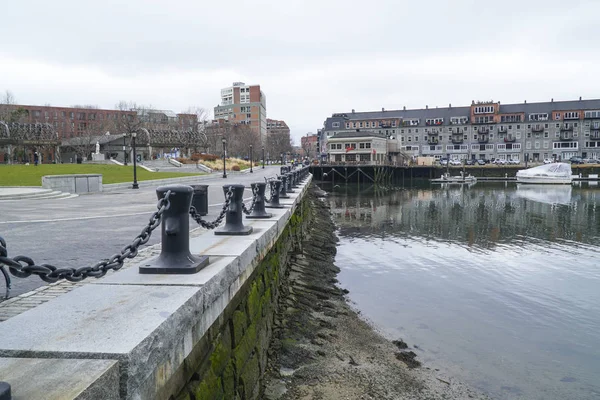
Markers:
{"x": 432, "y": 140}
{"x": 595, "y": 135}
{"x": 456, "y": 131}
{"x": 483, "y": 139}
{"x": 537, "y": 128}
{"x": 457, "y": 139}
{"x": 566, "y": 136}
{"x": 483, "y": 129}
{"x": 433, "y": 131}
{"x": 502, "y": 129}
{"x": 510, "y": 139}
{"x": 566, "y": 127}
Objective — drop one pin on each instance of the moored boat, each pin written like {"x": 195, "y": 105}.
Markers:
{"x": 447, "y": 178}
{"x": 555, "y": 173}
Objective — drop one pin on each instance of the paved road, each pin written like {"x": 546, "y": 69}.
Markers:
{"x": 80, "y": 231}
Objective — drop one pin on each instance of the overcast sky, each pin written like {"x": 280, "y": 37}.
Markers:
{"x": 311, "y": 57}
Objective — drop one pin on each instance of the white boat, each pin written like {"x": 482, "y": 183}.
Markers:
{"x": 548, "y": 194}
{"x": 555, "y": 173}
{"x": 447, "y": 178}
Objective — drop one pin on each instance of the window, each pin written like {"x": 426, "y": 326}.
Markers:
{"x": 556, "y": 134}
{"x": 360, "y": 124}
{"x": 347, "y": 125}
{"x": 538, "y": 117}
{"x": 466, "y": 137}
{"x": 537, "y": 145}
{"x": 474, "y": 137}
{"x": 528, "y": 135}
{"x": 484, "y": 120}
{"x": 565, "y": 145}
{"x": 434, "y": 121}
{"x": 354, "y": 124}
{"x": 410, "y": 138}
{"x": 518, "y": 135}
{"x": 335, "y": 125}
{"x": 528, "y": 146}
{"x": 458, "y": 120}
{"x": 373, "y": 124}
{"x": 592, "y": 114}
{"x": 367, "y": 145}
{"x": 557, "y": 116}
{"x": 558, "y": 125}
{"x": 571, "y": 115}
{"x": 416, "y": 138}
{"x": 484, "y": 110}
{"x": 546, "y": 135}
{"x": 37, "y": 113}
{"x": 546, "y": 144}
{"x": 361, "y": 145}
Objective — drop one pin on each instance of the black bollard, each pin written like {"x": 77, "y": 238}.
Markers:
{"x": 259, "y": 205}
{"x": 200, "y": 199}
{"x": 233, "y": 217}
{"x": 283, "y": 190}
{"x": 175, "y": 256}
{"x": 5, "y": 391}
{"x": 295, "y": 178}
{"x": 289, "y": 183}
{"x": 275, "y": 187}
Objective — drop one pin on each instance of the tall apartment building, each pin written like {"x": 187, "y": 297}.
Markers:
{"x": 485, "y": 129}
{"x": 244, "y": 104}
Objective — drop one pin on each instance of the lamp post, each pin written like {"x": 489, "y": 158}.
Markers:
{"x": 224, "y": 170}
{"x": 135, "y": 184}
{"x": 124, "y": 151}
{"x": 263, "y": 156}
{"x": 251, "y": 161}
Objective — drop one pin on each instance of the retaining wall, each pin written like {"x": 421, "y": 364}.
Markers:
{"x": 163, "y": 336}
{"x": 78, "y": 183}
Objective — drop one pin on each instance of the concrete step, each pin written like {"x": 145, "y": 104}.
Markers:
{"x": 42, "y": 195}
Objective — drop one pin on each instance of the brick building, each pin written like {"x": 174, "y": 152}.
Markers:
{"x": 308, "y": 144}
{"x": 73, "y": 122}
{"x": 244, "y": 104}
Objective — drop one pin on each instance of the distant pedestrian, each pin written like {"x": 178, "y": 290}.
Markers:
{"x": 36, "y": 158}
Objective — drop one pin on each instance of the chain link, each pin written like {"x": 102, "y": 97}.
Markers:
{"x": 212, "y": 225}
{"x": 23, "y": 267}
{"x": 248, "y": 211}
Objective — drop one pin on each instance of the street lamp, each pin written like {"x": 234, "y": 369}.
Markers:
{"x": 224, "y": 170}
{"x": 251, "y": 162}
{"x": 263, "y": 153}
{"x": 135, "y": 184}
{"x": 124, "y": 151}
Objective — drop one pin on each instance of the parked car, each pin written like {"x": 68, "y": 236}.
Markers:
{"x": 576, "y": 160}
{"x": 443, "y": 161}
{"x": 548, "y": 161}
{"x": 455, "y": 162}
{"x": 481, "y": 162}
{"x": 470, "y": 162}
{"x": 514, "y": 162}
{"x": 499, "y": 161}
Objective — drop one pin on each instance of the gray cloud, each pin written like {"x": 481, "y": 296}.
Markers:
{"x": 311, "y": 57}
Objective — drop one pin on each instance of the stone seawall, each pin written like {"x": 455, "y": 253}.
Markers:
{"x": 234, "y": 350}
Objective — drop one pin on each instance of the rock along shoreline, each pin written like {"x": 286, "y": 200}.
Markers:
{"x": 322, "y": 349}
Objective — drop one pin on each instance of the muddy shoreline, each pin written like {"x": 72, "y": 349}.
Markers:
{"x": 322, "y": 349}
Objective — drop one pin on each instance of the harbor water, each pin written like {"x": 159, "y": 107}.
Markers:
{"x": 494, "y": 284}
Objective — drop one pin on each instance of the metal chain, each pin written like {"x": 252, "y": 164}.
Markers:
{"x": 271, "y": 184}
{"x": 248, "y": 211}
{"x": 23, "y": 267}
{"x": 212, "y": 225}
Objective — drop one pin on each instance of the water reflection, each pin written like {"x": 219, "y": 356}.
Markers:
{"x": 483, "y": 216}
{"x": 494, "y": 282}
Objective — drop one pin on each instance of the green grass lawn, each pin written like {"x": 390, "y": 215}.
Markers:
{"x": 30, "y": 175}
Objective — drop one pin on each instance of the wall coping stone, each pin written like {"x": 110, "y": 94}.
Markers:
{"x": 35, "y": 378}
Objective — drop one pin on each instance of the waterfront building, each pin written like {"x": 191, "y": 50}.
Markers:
{"x": 484, "y": 130}
{"x": 244, "y": 104}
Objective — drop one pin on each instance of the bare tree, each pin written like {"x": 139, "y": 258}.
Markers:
{"x": 9, "y": 111}
{"x": 278, "y": 142}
